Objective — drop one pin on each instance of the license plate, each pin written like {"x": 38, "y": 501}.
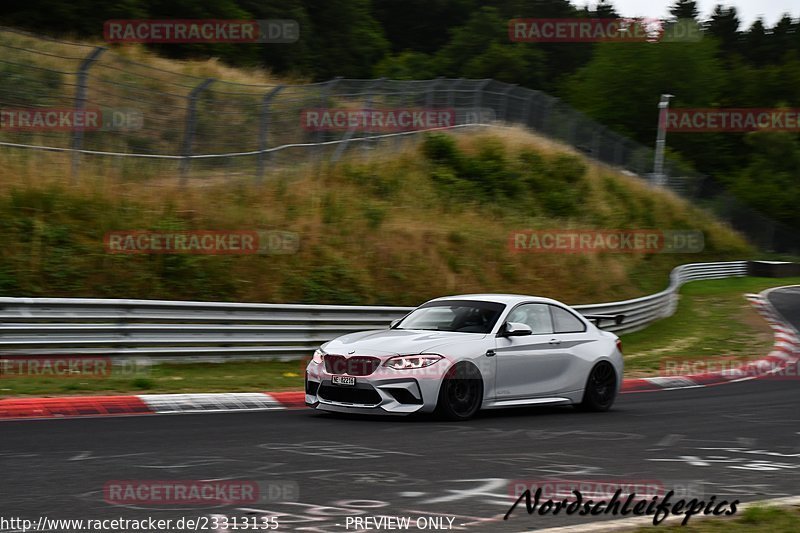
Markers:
{"x": 346, "y": 381}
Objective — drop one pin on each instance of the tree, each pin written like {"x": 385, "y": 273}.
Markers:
{"x": 605, "y": 10}
{"x": 481, "y": 49}
{"x": 421, "y": 25}
{"x": 769, "y": 182}
{"x": 685, "y": 9}
{"x": 288, "y": 57}
{"x": 724, "y": 26}
{"x": 345, "y": 40}
{"x": 508, "y": 63}
{"x": 757, "y": 44}
{"x": 781, "y": 40}
{"x": 623, "y": 83}
{"x": 407, "y": 65}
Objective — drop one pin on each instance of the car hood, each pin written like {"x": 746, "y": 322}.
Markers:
{"x": 395, "y": 341}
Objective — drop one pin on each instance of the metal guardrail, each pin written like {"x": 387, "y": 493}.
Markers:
{"x": 641, "y": 312}
{"x": 179, "y": 331}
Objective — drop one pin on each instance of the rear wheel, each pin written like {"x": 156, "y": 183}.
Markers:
{"x": 601, "y": 388}
{"x": 461, "y": 393}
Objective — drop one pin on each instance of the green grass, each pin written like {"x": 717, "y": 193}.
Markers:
{"x": 713, "y": 319}
{"x": 246, "y": 376}
{"x": 753, "y": 520}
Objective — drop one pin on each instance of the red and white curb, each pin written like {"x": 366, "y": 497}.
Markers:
{"x": 148, "y": 404}
{"x": 785, "y": 352}
{"x": 785, "y": 355}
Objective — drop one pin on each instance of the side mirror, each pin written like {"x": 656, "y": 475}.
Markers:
{"x": 516, "y": 329}
{"x": 394, "y": 323}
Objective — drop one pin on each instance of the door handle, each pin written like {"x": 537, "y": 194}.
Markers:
{"x": 555, "y": 342}
{"x": 490, "y": 353}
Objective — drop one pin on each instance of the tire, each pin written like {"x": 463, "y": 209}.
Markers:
{"x": 601, "y": 389}
{"x": 461, "y": 393}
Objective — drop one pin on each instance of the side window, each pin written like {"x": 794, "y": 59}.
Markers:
{"x": 566, "y": 322}
{"x": 537, "y": 316}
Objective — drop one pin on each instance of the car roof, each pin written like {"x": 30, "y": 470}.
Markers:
{"x": 508, "y": 299}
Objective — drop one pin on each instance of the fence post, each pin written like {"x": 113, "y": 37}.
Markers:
{"x": 451, "y": 93}
{"x": 351, "y": 131}
{"x": 526, "y": 110}
{"x": 477, "y": 99}
{"x": 429, "y": 98}
{"x": 191, "y": 122}
{"x": 547, "y": 111}
{"x": 596, "y": 145}
{"x": 573, "y": 130}
{"x": 618, "y": 153}
{"x": 371, "y": 89}
{"x": 80, "y": 105}
{"x": 263, "y": 130}
{"x": 324, "y": 93}
{"x": 505, "y": 100}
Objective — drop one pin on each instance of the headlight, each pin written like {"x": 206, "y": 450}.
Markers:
{"x": 318, "y": 355}
{"x": 412, "y": 362}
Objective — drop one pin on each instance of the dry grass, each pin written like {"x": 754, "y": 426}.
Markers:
{"x": 373, "y": 229}
{"x": 68, "y": 51}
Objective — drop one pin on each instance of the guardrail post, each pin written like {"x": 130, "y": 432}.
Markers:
{"x": 263, "y": 130}
{"x": 191, "y": 123}
{"x": 80, "y": 105}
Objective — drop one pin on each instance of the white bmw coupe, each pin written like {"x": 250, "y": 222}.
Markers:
{"x": 459, "y": 354}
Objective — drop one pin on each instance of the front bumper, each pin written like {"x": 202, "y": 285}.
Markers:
{"x": 386, "y": 391}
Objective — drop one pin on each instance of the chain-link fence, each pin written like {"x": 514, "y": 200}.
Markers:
{"x": 194, "y": 124}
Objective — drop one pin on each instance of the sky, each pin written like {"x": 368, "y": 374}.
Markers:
{"x": 749, "y": 10}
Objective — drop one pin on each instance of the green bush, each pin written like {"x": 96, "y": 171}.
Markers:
{"x": 493, "y": 176}
{"x": 567, "y": 168}
{"x": 442, "y": 149}
{"x": 333, "y": 282}
{"x": 142, "y": 383}
{"x": 374, "y": 215}
{"x": 23, "y": 86}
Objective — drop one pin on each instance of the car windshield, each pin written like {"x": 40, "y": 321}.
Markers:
{"x": 464, "y": 316}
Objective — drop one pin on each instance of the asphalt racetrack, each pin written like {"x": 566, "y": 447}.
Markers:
{"x": 734, "y": 441}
